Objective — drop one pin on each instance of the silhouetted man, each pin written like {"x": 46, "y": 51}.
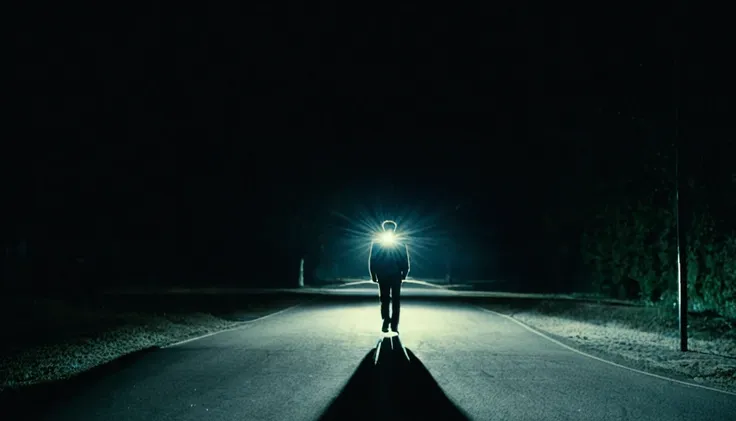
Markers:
{"x": 388, "y": 263}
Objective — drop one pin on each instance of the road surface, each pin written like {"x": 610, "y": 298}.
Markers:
{"x": 292, "y": 365}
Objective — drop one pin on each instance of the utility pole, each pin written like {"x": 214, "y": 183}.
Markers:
{"x": 681, "y": 247}
{"x": 681, "y": 211}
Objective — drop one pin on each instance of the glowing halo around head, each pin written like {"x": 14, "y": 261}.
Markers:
{"x": 388, "y": 221}
{"x": 388, "y": 236}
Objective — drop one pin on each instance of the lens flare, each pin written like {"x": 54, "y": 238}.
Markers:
{"x": 387, "y": 238}
{"x": 422, "y": 229}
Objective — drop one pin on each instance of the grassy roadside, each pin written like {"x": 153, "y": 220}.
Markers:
{"x": 52, "y": 339}
{"x": 645, "y": 338}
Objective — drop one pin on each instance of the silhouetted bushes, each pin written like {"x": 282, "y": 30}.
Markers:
{"x": 630, "y": 241}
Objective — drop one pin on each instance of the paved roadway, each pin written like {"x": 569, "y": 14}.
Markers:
{"x": 293, "y": 365}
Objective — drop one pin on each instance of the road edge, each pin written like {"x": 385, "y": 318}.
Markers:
{"x": 230, "y": 329}
{"x": 585, "y": 354}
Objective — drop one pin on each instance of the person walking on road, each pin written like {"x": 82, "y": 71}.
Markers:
{"x": 388, "y": 264}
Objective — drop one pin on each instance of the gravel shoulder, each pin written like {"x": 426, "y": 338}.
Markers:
{"x": 640, "y": 337}
{"x": 51, "y": 339}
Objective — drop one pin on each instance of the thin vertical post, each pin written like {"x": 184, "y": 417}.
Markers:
{"x": 682, "y": 210}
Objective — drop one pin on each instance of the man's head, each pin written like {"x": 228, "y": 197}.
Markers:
{"x": 389, "y": 225}
{"x": 388, "y": 236}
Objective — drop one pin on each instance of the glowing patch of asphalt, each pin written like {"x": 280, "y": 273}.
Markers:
{"x": 343, "y": 289}
{"x": 354, "y": 283}
{"x": 393, "y": 337}
{"x": 374, "y": 290}
{"x": 364, "y": 282}
{"x": 408, "y": 281}
{"x": 427, "y": 284}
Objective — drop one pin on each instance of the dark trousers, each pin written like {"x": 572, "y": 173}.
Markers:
{"x": 390, "y": 292}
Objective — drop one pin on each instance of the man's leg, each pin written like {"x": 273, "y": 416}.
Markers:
{"x": 395, "y": 304}
{"x": 384, "y": 291}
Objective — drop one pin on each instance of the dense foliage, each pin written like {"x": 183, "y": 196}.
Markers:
{"x": 629, "y": 244}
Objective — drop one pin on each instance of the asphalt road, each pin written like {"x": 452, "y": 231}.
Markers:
{"x": 318, "y": 360}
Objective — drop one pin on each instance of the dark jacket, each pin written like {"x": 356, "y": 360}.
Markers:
{"x": 388, "y": 262}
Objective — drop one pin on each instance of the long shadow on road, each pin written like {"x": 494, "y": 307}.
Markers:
{"x": 390, "y": 383}
{"x": 394, "y": 385}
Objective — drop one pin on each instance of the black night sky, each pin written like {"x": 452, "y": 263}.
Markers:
{"x": 218, "y": 144}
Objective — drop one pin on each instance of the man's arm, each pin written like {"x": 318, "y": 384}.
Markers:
{"x": 374, "y": 278}
{"x": 406, "y": 264}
